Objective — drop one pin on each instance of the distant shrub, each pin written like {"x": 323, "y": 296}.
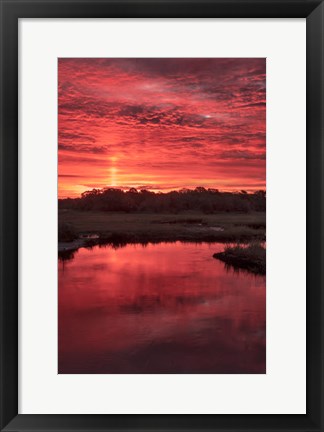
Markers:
{"x": 206, "y": 201}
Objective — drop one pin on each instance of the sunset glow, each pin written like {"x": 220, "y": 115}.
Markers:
{"x": 161, "y": 124}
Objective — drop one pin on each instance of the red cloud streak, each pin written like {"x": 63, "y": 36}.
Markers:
{"x": 164, "y": 123}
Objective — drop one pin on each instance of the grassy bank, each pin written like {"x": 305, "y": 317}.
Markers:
{"x": 251, "y": 258}
{"x": 77, "y": 227}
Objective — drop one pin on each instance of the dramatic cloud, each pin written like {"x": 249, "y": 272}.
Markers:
{"x": 166, "y": 123}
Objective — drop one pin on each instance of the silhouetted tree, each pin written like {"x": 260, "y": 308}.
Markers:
{"x": 199, "y": 199}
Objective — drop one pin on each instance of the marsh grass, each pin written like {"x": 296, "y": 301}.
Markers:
{"x": 251, "y": 257}
{"x": 88, "y": 228}
{"x": 223, "y": 227}
{"x": 66, "y": 232}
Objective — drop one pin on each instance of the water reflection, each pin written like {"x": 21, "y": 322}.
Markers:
{"x": 165, "y": 308}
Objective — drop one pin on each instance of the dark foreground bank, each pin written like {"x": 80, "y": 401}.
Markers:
{"x": 251, "y": 258}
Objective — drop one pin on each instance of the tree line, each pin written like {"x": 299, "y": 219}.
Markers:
{"x": 143, "y": 201}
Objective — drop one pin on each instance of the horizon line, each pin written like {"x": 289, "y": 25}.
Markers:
{"x": 165, "y": 191}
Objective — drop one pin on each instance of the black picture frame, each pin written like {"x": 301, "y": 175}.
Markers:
{"x": 11, "y": 11}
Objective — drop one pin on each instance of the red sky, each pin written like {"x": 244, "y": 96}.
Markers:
{"x": 161, "y": 124}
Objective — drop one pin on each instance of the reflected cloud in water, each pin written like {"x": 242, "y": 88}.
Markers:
{"x": 162, "y": 308}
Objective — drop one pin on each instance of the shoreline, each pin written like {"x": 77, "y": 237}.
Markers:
{"x": 123, "y": 240}
{"x": 251, "y": 258}
{"x": 87, "y": 229}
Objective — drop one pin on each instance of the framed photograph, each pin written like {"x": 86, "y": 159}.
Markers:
{"x": 161, "y": 215}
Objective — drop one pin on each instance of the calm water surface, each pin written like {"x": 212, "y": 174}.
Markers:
{"x": 165, "y": 308}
